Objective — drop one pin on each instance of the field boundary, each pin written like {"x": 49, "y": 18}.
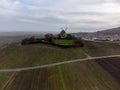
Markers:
{"x": 9, "y": 81}
{"x": 55, "y": 64}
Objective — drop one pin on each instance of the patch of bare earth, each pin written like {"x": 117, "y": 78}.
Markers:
{"x": 111, "y": 65}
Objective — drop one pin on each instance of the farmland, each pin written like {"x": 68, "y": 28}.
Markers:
{"x": 101, "y": 48}
{"x": 16, "y": 55}
{"x": 86, "y": 75}
{"x": 4, "y": 77}
{"x": 32, "y": 55}
{"x": 112, "y": 65}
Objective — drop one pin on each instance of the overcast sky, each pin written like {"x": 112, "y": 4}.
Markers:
{"x": 51, "y": 15}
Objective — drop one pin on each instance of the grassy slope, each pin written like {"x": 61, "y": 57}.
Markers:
{"x": 64, "y": 42}
{"x": 4, "y": 77}
{"x": 22, "y": 56}
{"x": 31, "y": 55}
{"x": 85, "y": 75}
{"x": 19, "y": 56}
{"x": 102, "y": 48}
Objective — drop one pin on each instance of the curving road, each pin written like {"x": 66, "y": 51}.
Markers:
{"x": 54, "y": 64}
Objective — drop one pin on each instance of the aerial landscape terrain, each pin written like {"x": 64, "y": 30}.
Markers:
{"x": 59, "y": 44}
{"x": 42, "y": 66}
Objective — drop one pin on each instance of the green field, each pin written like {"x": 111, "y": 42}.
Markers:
{"x": 64, "y": 42}
{"x": 101, "y": 48}
{"x": 4, "y": 78}
{"x": 16, "y": 55}
{"x": 86, "y": 75}
{"x": 30, "y": 55}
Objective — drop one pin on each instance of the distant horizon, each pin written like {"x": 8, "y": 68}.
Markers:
{"x": 55, "y": 32}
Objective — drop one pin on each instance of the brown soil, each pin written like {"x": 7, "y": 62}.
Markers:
{"x": 112, "y": 65}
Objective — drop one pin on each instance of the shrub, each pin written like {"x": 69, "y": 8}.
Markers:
{"x": 28, "y": 40}
{"x": 69, "y": 36}
{"x": 32, "y": 38}
{"x": 49, "y": 37}
{"x": 58, "y": 36}
{"x": 79, "y": 42}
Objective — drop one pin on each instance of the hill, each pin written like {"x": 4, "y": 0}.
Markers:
{"x": 16, "y": 55}
{"x": 86, "y": 75}
{"x": 110, "y": 31}
{"x": 109, "y": 35}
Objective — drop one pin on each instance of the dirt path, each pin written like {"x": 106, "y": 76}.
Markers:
{"x": 55, "y": 64}
{"x": 87, "y": 55}
{"x": 8, "y": 82}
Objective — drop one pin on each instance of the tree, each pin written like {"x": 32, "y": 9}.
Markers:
{"x": 69, "y": 36}
{"x": 49, "y": 37}
{"x": 28, "y": 40}
{"x": 79, "y": 42}
{"x": 58, "y": 36}
{"x": 32, "y": 38}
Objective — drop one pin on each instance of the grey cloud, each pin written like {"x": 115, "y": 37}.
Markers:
{"x": 112, "y": 1}
{"x": 92, "y": 22}
{"x": 84, "y": 13}
{"x": 35, "y": 18}
{"x": 84, "y": 29}
{"x": 47, "y": 19}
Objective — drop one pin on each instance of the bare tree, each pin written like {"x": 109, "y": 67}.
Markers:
{"x": 49, "y": 37}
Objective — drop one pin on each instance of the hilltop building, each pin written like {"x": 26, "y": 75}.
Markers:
{"x": 63, "y": 34}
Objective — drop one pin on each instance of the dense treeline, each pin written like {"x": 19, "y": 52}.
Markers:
{"x": 49, "y": 39}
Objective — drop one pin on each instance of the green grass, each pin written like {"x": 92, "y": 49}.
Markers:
{"x": 86, "y": 75}
{"x": 101, "y": 48}
{"x": 16, "y": 55}
{"x": 37, "y": 54}
{"x": 4, "y": 77}
{"x": 64, "y": 42}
